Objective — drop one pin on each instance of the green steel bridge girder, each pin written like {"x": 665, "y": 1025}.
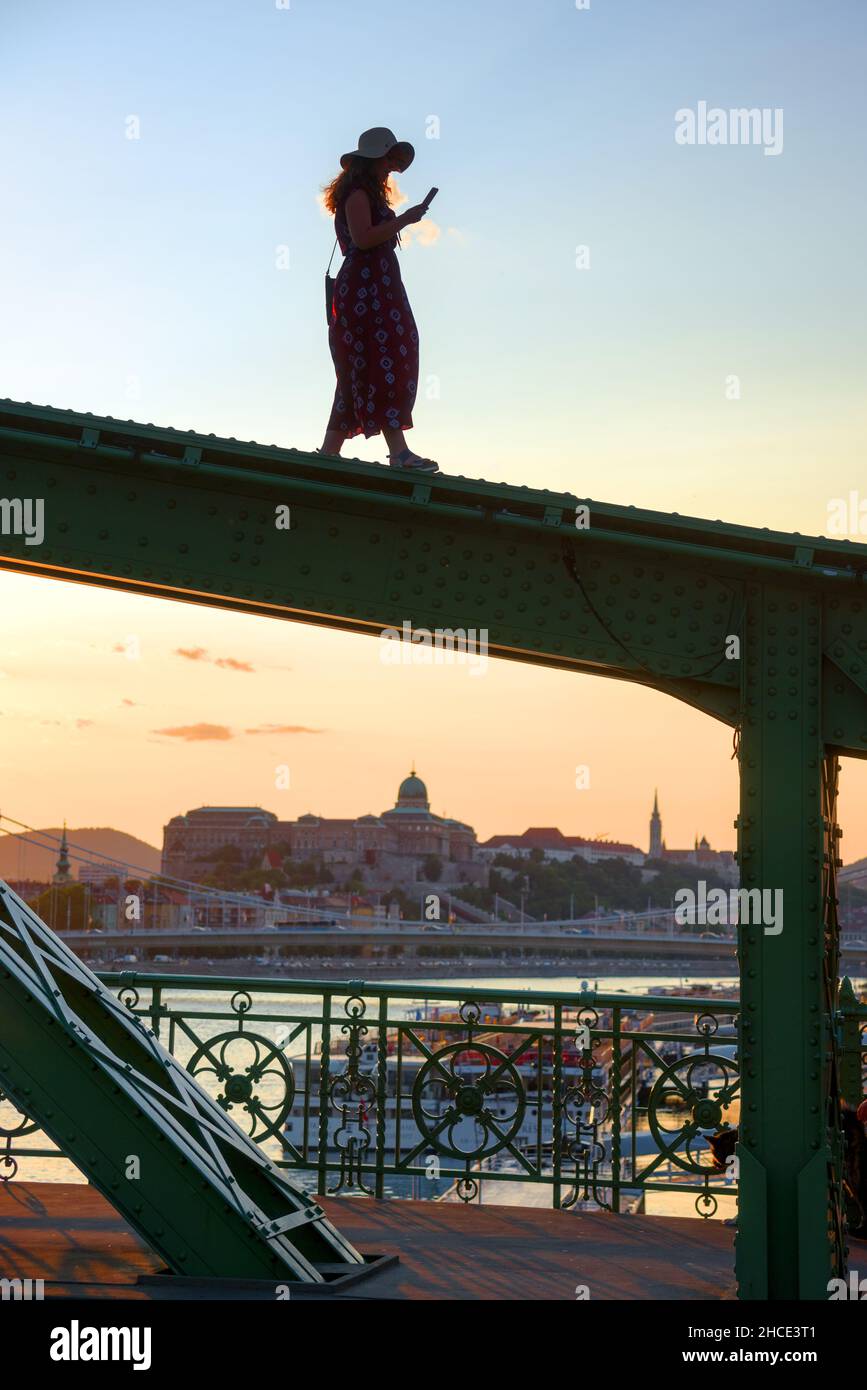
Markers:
{"x": 94, "y": 1077}
{"x": 789, "y": 1237}
{"x": 637, "y": 596}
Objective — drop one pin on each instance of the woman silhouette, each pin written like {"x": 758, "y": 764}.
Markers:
{"x": 372, "y": 334}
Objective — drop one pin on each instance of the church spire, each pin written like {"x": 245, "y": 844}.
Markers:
{"x": 62, "y": 873}
{"x": 655, "y": 829}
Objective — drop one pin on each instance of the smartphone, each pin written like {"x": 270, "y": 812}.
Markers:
{"x": 430, "y": 197}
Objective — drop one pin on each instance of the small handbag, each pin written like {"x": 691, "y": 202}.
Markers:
{"x": 330, "y": 282}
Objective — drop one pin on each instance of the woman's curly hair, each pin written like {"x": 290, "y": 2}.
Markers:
{"x": 359, "y": 173}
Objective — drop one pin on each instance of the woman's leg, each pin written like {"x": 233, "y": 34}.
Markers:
{"x": 333, "y": 442}
{"x": 395, "y": 439}
{"x": 397, "y": 445}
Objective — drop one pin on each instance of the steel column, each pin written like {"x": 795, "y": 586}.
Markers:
{"x": 788, "y": 1243}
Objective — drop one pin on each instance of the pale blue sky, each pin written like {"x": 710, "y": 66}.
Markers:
{"x": 155, "y": 259}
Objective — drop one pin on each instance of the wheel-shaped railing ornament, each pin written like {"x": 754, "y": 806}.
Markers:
{"x": 683, "y": 1111}
{"x": 468, "y": 1100}
{"x": 250, "y": 1077}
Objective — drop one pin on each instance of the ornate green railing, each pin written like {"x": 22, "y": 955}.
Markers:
{"x": 418, "y": 1090}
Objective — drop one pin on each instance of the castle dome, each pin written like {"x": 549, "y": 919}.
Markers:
{"x": 412, "y": 793}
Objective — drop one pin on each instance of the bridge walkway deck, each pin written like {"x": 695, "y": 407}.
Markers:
{"x": 68, "y": 1235}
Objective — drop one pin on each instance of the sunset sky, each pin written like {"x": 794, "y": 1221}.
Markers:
{"x": 141, "y": 278}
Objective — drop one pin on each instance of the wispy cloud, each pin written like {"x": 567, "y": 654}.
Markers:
{"x": 221, "y": 733}
{"x": 198, "y": 733}
{"x": 424, "y": 233}
{"x": 227, "y": 663}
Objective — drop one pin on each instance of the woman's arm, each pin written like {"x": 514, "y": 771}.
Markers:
{"x": 360, "y": 221}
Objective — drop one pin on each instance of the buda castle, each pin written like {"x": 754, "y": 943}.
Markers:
{"x": 389, "y": 847}
{"x": 392, "y": 847}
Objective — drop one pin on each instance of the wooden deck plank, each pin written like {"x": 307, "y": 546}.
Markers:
{"x": 68, "y": 1235}
{"x": 452, "y": 1251}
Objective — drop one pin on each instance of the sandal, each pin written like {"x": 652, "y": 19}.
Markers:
{"x": 412, "y": 462}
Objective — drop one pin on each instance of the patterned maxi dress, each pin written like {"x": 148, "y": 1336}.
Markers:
{"x": 372, "y": 336}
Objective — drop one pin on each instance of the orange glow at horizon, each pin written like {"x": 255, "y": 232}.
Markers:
{"x": 94, "y": 736}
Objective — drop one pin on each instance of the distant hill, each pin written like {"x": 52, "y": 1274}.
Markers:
{"x": 20, "y": 857}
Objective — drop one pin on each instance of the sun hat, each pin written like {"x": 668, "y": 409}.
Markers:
{"x": 376, "y": 142}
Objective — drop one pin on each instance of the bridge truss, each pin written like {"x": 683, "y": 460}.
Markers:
{"x": 762, "y": 630}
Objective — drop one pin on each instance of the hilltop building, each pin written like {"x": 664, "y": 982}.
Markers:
{"x": 721, "y": 860}
{"x": 192, "y": 844}
{"x": 554, "y": 846}
{"x": 390, "y": 847}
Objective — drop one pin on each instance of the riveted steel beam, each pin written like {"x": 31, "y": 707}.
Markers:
{"x": 787, "y": 1245}
{"x": 636, "y": 596}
